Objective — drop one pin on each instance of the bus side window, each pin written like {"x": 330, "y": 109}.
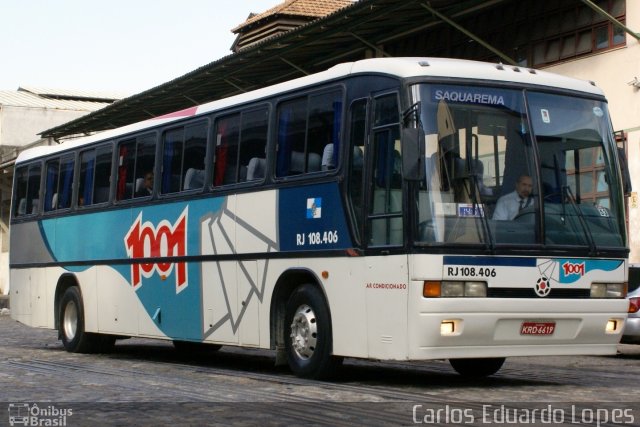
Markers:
{"x": 136, "y": 159}
{"x": 59, "y": 183}
{"x": 95, "y": 170}
{"x": 226, "y": 151}
{"x": 183, "y": 158}
{"x": 173, "y": 146}
{"x": 102, "y": 176}
{"x": 309, "y": 134}
{"x": 195, "y": 149}
{"x": 27, "y": 191}
{"x": 253, "y": 144}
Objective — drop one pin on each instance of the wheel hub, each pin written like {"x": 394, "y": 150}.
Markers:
{"x": 70, "y": 320}
{"x": 304, "y": 332}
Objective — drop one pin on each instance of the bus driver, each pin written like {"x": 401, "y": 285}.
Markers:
{"x": 510, "y": 204}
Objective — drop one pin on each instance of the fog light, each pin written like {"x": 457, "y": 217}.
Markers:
{"x": 447, "y": 327}
{"x": 613, "y": 326}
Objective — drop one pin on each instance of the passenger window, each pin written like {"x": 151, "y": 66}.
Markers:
{"x": 183, "y": 158}
{"x": 241, "y": 141}
{"x": 59, "y": 183}
{"x": 136, "y": 158}
{"x": 226, "y": 154}
{"x": 27, "y": 191}
{"x": 309, "y": 134}
{"x": 95, "y": 173}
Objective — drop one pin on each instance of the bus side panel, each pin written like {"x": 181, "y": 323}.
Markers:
{"x": 386, "y": 286}
{"x": 20, "y": 293}
{"x": 220, "y": 318}
{"x": 118, "y": 307}
{"x": 256, "y": 233}
{"x": 31, "y": 294}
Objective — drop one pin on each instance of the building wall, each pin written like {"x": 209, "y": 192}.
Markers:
{"x": 612, "y": 71}
{"x": 20, "y": 126}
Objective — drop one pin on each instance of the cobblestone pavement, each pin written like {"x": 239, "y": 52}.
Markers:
{"x": 146, "y": 382}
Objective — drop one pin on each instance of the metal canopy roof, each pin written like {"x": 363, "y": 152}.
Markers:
{"x": 342, "y": 36}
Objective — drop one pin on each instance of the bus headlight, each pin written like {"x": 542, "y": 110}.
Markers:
{"x": 454, "y": 289}
{"x": 608, "y": 290}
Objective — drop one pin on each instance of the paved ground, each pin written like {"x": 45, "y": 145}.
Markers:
{"x": 145, "y": 382}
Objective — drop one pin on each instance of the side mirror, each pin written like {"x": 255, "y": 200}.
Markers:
{"x": 413, "y": 151}
{"x": 413, "y": 154}
{"x": 624, "y": 171}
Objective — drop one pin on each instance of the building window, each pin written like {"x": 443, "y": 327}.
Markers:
{"x": 590, "y": 33}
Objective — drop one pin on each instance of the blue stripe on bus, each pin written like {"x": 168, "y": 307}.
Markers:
{"x": 490, "y": 261}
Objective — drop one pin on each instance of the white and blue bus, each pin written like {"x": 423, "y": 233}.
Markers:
{"x": 350, "y": 213}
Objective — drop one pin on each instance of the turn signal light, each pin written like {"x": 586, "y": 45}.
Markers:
{"x": 634, "y": 305}
{"x": 431, "y": 289}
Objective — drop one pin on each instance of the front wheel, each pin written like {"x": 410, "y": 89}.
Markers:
{"x": 477, "y": 368}
{"x": 308, "y": 339}
{"x": 71, "y": 326}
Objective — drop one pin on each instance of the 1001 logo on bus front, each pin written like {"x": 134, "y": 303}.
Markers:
{"x": 144, "y": 240}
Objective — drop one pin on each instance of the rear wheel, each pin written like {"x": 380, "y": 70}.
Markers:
{"x": 308, "y": 339}
{"x": 71, "y": 326}
{"x": 477, "y": 368}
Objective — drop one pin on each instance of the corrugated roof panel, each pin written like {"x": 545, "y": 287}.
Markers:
{"x": 27, "y": 99}
{"x": 73, "y": 93}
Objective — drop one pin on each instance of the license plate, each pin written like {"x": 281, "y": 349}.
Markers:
{"x": 537, "y": 328}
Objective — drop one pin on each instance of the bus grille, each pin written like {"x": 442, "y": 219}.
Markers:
{"x": 531, "y": 293}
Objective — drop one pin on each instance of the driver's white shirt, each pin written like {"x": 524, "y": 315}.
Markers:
{"x": 508, "y": 206}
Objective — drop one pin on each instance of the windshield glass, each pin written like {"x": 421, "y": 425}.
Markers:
{"x": 495, "y": 176}
{"x": 578, "y": 177}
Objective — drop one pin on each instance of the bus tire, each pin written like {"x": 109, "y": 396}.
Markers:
{"x": 477, "y": 368}
{"x": 308, "y": 335}
{"x": 71, "y": 326}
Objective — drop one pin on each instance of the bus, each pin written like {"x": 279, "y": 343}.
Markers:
{"x": 349, "y": 213}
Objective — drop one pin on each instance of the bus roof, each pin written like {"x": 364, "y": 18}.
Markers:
{"x": 398, "y": 67}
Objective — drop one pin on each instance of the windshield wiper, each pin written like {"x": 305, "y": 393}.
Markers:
{"x": 587, "y": 231}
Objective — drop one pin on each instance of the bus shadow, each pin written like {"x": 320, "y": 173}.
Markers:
{"x": 428, "y": 374}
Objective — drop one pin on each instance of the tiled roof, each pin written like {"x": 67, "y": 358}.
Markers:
{"x": 305, "y": 8}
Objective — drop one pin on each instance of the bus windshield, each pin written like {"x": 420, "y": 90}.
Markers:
{"x": 513, "y": 167}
